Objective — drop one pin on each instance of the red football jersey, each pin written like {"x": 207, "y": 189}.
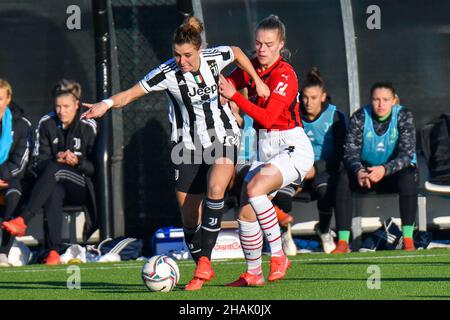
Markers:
{"x": 281, "y": 110}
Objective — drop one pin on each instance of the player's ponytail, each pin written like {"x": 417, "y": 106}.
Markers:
{"x": 189, "y": 32}
{"x": 65, "y": 86}
{"x": 273, "y": 22}
{"x": 314, "y": 79}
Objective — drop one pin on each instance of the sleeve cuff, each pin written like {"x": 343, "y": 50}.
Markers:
{"x": 356, "y": 170}
{"x": 388, "y": 170}
{"x": 237, "y": 97}
{"x": 233, "y": 58}
{"x": 144, "y": 86}
{"x": 232, "y": 82}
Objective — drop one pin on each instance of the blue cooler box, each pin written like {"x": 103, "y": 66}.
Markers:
{"x": 168, "y": 239}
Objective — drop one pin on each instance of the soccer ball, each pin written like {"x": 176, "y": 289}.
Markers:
{"x": 160, "y": 274}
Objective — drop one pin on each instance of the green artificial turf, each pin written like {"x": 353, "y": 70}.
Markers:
{"x": 404, "y": 275}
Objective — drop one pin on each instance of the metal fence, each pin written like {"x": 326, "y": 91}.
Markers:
{"x": 143, "y": 37}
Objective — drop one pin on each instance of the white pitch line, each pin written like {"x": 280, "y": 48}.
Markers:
{"x": 132, "y": 266}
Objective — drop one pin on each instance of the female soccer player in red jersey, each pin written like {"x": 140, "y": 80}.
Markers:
{"x": 285, "y": 153}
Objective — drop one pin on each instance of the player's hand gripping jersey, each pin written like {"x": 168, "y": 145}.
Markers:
{"x": 282, "y": 141}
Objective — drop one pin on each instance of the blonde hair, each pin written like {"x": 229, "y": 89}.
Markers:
{"x": 65, "y": 86}
{"x": 4, "y": 84}
{"x": 189, "y": 32}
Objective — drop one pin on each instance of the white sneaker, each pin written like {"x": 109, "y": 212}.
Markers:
{"x": 327, "y": 241}
{"x": 289, "y": 247}
{"x": 4, "y": 260}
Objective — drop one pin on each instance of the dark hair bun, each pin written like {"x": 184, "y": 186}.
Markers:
{"x": 65, "y": 86}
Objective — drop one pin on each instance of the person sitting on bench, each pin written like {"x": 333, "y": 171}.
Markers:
{"x": 63, "y": 149}
{"x": 15, "y": 133}
{"x": 379, "y": 155}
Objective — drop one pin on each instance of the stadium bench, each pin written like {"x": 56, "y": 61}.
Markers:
{"x": 73, "y": 222}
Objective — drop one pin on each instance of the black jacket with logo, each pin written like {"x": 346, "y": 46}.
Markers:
{"x": 51, "y": 138}
{"x": 19, "y": 153}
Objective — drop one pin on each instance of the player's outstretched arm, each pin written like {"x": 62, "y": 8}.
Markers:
{"x": 118, "y": 100}
{"x": 245, "y": 64}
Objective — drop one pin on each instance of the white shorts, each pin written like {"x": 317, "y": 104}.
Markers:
{"x": 288, "y": 150}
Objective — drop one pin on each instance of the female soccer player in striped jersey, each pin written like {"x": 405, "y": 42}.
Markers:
{"x": 285, "y": 153}
{"x": 205, "y": 134}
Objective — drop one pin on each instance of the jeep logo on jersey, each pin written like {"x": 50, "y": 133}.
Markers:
{"x": 202, "y": 91}
{"x": 77, "y": 144}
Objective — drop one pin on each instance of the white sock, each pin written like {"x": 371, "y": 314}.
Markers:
{"x": 268, "y": 221}
{"x": 251, "y": 242}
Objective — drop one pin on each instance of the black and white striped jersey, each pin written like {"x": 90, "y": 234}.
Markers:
{"x": 194, "y": 105}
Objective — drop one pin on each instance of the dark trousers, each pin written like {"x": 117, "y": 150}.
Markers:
{"x": 12, "y": 196}
{"x": 57, "y": 185}
{"x": 403, "y": 182}
{"x": 322, "y": 188}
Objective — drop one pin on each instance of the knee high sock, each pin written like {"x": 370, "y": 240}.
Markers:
{"x": 193, "y": 239}
{"x": 211, "y": 221}
{"x": 251, "y": 237}
{"x": 268, "y": 221}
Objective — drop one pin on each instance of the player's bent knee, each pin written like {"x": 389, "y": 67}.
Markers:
{"x": 216, "y": 191}
{"x": 322, "y": 191}
{"x": 254, "y": 189}
{"x": 53, "y": 167}
{"x": 246, "y": 214}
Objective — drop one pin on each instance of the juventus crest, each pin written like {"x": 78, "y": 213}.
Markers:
{"x": 77, "y": 144}
{"x": 214, "y": 68}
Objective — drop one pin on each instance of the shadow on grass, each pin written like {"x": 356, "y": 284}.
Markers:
{"x": 93, "y": 287}
{"x": 379, "y": 262}
{"x": 435, "y": 279}
{"x": 430, "y": 297}
{"x": 62, "y": 285}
